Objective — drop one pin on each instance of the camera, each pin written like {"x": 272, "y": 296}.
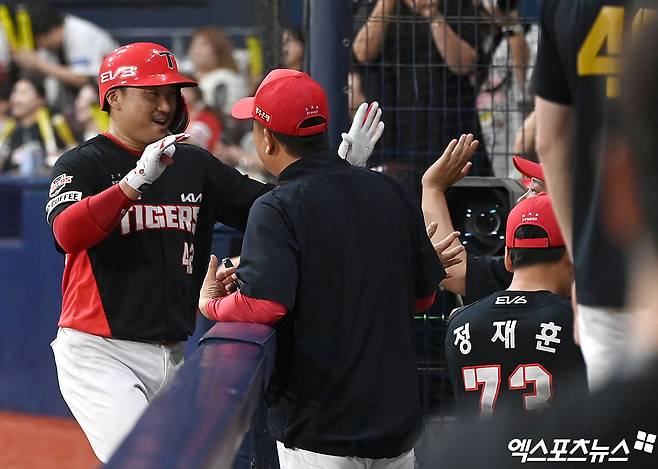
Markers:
{"x": 479, "y": 208}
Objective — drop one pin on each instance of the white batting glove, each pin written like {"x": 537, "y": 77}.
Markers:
{"x": 155, "y": 158}
{"x": 358, "y": 143}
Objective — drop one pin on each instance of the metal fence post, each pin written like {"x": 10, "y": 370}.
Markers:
{"x": 330, "y": 34}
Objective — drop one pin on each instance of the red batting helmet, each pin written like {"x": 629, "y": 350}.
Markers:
{"x": 144, "y": 64}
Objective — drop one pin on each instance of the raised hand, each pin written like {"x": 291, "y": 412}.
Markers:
{"x": 452, "y": 165}
{"x": 155, "y": 158}
{"x": 365, "y": 132}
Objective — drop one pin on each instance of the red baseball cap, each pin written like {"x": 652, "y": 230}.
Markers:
{"x": 536, "y": 211}
{"x": 283, "y": 101}
{"x": 528, "y": 168}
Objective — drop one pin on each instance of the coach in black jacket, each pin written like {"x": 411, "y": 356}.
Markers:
{"x": 340, "y": 259}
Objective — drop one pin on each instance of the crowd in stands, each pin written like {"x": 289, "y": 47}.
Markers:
{"x": 441, "y": 69}
{"x": 49, "y": 94}
{"x": 481, "y": 87}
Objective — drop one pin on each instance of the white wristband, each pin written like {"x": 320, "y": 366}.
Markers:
{"x": 135, "y": 180}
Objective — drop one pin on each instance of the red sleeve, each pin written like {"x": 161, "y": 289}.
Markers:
{"x": 242, "y": 308}
{"x": 423, "y": 304}
{"x": 88, "y": 221}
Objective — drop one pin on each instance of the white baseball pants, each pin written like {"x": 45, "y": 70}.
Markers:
{"x": 108, "y": 383}
{"x": 605, "y": 341}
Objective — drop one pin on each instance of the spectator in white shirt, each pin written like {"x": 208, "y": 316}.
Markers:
{"x": 70, "y": 51}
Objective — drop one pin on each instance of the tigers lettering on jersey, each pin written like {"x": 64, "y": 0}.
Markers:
{"x": 158, "y": 217}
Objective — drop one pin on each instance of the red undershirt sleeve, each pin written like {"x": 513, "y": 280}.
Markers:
{"x": 88, "y": 221}
{"x": 423, "y": 304}
{"x": 242, "y": 308}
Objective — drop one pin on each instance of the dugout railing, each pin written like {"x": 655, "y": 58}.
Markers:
{"x": 201, "y": 420}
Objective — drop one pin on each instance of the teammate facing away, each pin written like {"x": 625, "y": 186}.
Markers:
{"x": 137, "y": 240}
{"x": 577, "y": 82}
{"x": 317, "y": 260}
{"x": 514, "y": 349}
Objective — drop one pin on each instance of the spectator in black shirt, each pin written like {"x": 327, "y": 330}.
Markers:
{"x": 339, "y": 259}
{"x": 24, "y": 146}
{"x": 416, "y": 58}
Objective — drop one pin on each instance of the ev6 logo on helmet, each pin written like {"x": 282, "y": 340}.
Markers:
{"x": 121, "y": 72}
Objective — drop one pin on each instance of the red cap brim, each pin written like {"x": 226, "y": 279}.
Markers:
{"x": 528, "y": 168}
{"x": 244, "y": 108}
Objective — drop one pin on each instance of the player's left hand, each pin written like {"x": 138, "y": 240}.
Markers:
{"x": 213, "y": 284}
{"x": 365, "y": 132}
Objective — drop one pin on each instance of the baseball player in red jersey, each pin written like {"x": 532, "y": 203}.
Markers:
{"x": 136, "y": 229}
{"x": 137, "y": 239}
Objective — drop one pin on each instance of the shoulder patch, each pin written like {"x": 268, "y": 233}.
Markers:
{"x": 58, "y": 184}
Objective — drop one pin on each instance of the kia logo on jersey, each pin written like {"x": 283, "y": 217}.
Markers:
{"x": 192, "y": 198}
{"x": 121, "y": 72}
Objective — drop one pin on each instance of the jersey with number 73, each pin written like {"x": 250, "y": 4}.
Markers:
{"x": 513, "y": 350}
